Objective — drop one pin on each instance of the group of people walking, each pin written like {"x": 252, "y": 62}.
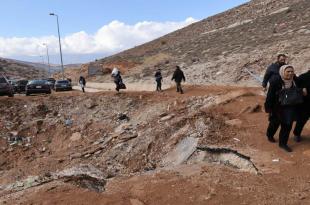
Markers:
{"x": 287, "y": 101}
{"x": 178, "y": 77}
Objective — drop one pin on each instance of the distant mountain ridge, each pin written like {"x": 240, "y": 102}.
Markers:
{"x": 18, "y": 69}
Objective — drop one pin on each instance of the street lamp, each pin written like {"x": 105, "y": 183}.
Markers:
{"x": 62, "y": 65}
{"x": 48, "y": 59}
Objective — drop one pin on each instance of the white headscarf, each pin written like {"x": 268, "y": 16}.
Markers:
{"x": 287, "y": 83}
{"x": 114, "y": 71}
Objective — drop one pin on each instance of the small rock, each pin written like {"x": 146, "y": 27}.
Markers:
{"x": 163, "y": 114}
{"x": 166, "y": 118}
{"x": 76, "y": 136}
{"x": 276, "y": 160}
{"x": 98, "y": 152}
{"x": 87, "y": 155}
{"x": 13, "y": 133}
{"x": 90, "y": 104}
{"x": 234, "y": 122}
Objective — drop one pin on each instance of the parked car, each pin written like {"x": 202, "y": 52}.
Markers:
{"x": 5, "y": 87}
{"x": 13, "y": 83}
{"x": 51, "y": 82}
{"x": 62, "y": 85}
{"x": 20, "y": 86}
{"x": 38, "y": 86}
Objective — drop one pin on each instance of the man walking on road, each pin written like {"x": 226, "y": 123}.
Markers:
{"x": 158, "y": 79}
{"x": 178, "y": 76}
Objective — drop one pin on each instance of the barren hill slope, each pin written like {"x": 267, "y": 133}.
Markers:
{"x": 16, "y": 69}
{"x": 217, "y": 49}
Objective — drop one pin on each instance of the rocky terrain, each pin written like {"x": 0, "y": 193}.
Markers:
{"x": 137, "y": 147}
{"x": 206, "y": 146}
{"x": 217, "y": 49}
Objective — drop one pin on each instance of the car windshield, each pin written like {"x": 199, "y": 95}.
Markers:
{"x": 51, "y": 80}
{"x": 37, "y": 82}
{"x": 22, "y": 82}
{"x": 62, "y": 82}
{"x": 2, "y": 80}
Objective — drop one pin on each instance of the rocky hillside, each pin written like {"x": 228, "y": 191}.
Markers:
{"x": 217, "y": 49}
{"x": 16, "y": 69}
{"x": 149, "y": 148}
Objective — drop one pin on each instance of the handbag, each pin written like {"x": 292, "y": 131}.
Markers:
{"x": 122, "y": 85}
{"x": 291, "y": 96}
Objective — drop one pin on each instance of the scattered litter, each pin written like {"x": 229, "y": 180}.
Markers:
{"x": 276, "y": 160}
{"x": 122, "y": 116}
{"x": 68, "y": 122}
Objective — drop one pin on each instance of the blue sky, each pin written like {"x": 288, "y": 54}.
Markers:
{"x": 28, "y": 21}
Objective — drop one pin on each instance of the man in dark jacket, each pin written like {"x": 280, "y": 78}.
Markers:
{"x": 272, "y": 74}
{"x": 273, "y": 70}
{"x": 178, "y": 76}
{"x": 303, "y": 81}
{"x": 158, "y": 79}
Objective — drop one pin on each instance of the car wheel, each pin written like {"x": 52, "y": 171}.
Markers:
{"x": 11, "y": 95}
{"x": 27, "y": 94}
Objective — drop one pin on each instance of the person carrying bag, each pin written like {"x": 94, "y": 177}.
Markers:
{"x": 281, "y": 103}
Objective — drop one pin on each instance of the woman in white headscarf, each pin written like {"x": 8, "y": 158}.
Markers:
{"x": 284, "y": 114}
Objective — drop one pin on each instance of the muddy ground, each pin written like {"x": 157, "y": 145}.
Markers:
{"x": 207, "y": 146}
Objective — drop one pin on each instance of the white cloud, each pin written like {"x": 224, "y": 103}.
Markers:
{"x": 111, "y": 38}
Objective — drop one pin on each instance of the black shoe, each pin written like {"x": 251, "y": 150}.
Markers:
{"x": 297, "y": 138}
{"x": 286, "y": 148}
{"x": 271, "y": 139}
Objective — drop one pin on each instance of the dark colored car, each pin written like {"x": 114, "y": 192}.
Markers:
{"x": 62, "y": 85}
{"x": 20, "y": 86}
{"x": 5, "y": 87}
{"x": 51, "y": 82}
{"x": 37, "y": 86}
